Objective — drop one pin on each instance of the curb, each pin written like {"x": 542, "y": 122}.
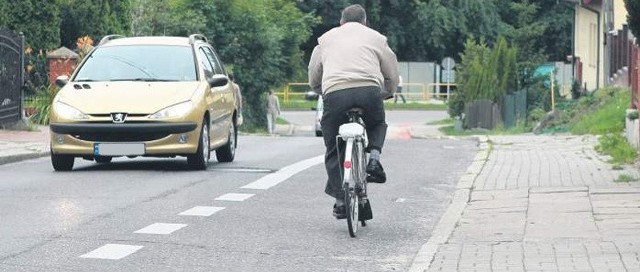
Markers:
{"x": 445, "y": 227}
{"x": 21, "y": 157}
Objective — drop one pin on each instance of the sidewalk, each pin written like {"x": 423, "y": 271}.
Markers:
{"x": 538, "y": 203}
{"x": 18, "y": 145}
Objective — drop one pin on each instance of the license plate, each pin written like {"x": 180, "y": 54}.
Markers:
{"x": 118, "y": 149}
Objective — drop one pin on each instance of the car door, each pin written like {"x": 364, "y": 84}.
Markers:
{"x": 212, "y": 98}
{"x": 224, "y": 103}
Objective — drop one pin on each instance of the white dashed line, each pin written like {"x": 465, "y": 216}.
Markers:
{"x": 112, "y": 252}
{"x": 201, "y": 211}
{"x": 234, "y": 197}
{"x": 283, "y": 174}
{"x": 160, "y": 228}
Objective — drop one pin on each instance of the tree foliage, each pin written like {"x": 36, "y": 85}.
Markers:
{"x": 94, "y": 18}
{"x": 38, "y": 20}
{"x": 487, "y": 73}
{"x": 633, "y": 17}
{"x": 262, "y": 42}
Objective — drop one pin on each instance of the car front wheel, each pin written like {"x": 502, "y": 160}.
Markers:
{"x": 62, "y": 162}
{"x": 200, "y": 159}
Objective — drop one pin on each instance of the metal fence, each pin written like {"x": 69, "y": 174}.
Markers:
{"x": 413, "y": 92}
{"x": 11, "y": 76}
{"x": 488, "y": 115}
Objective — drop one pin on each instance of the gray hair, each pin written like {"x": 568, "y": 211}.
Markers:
{"x": 354, "y": 13}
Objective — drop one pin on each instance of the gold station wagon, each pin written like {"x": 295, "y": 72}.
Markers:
{"x": 145, "y": 96}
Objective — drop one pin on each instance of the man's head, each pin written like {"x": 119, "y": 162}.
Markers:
{"x": 354, "y": 13}
{"x": 231, "y": 77}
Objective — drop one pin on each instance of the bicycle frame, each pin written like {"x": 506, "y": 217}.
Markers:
{"x": 354, "y": 135}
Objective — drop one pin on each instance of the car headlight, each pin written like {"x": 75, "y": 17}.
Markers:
{"x": 174, "y": 111}
{"x": 69, "y": 112}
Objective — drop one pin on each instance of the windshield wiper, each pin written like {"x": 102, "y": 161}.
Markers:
{"x": 145, "y": 79}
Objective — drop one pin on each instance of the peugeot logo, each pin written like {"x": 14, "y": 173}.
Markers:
{"x": 118, "y": 117}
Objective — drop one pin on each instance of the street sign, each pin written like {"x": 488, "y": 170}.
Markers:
{"x": 448, "y": 76}
{"x": 448, "y": 63}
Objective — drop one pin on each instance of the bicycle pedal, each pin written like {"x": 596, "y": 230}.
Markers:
{"x": 364, "y": 210}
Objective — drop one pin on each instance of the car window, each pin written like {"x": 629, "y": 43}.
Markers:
{"x": 139, "y": 62}
{"x": 205, "y": 62}
{"x": 213, "y": 58}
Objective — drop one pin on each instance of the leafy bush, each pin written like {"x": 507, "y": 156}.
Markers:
{"x": 456, "y": 104}
{"x": 535, "y": 115}
{"x": 41, "y": 102}
{"x": 484, "y": 73}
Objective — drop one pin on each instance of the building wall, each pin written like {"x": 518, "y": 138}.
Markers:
{"x": 619, "y": 14}
{"x": 588, "y": 34}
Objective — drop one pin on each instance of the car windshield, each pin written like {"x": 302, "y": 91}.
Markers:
{"x": 139, "y": 63}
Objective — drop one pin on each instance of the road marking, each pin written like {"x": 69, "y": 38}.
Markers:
{"x": 112, "y": 252}
{"x": 160, "y": 228}
{"x": 234, "y": 197}
{"x": 283, "y": 174}
{"x": 201, "y": 211}
{"x": 400, "y": 200}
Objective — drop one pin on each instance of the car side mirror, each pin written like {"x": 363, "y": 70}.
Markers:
{"x": 62, "y": 80}
{"x": 218, "y": 80}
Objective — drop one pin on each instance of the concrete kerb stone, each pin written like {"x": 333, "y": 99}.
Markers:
{"x": 453, "y": 214}
{"x": 21, "y": 157}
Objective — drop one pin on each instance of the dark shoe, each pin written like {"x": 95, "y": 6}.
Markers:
{"x": 376, "y": 172}
{"x": 340, "y": 212}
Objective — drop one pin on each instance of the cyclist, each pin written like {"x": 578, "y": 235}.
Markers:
{"x": 353, "y": 67}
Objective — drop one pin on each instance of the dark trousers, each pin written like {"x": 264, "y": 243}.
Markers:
{"x": 336, "y": 106}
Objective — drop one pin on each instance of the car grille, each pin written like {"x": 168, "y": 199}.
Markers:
{"x": 120, "y": 137}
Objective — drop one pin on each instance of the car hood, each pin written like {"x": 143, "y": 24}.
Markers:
{"x": 130, "y": 97}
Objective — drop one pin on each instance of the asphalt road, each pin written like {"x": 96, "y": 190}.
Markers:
{"x": 52, "y": 221}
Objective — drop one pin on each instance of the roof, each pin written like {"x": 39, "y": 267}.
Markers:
{"x": 160, "y": 40}
{"x": 62, "y": 53}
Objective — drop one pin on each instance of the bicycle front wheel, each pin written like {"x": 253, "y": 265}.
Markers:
{"x": 353, "y": 213}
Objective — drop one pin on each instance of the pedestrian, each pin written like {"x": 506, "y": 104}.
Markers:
{"x": 353, "y": 67}
{"x": 238, "y": 95}
{"x": 273, "y": 111}
{"x": 399, "y": 92}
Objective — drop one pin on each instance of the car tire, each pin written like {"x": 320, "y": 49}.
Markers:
{"x": 62, "y": 162}
{"x": 227, "y": 152}
{"x": 103, "y": 159}
{"x": 200, "y": 160}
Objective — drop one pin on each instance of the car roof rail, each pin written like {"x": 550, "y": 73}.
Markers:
{"x": 107, "y": 38}
{"x": 194, "y": 37}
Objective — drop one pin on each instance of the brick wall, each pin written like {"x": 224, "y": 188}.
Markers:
{"x": 60, "y": 67}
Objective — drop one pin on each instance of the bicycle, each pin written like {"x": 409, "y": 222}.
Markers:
{"x": 357, "y": 205}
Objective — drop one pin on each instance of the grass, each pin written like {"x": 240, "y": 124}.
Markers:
{"x": 500, "y": 130}
{"x": 616, "y": 146}
{"x": 600, "y": 113}
{"x": 281, "y": 121}
{"x": 625, "y": 178}
{"x": 447, "y": 121}
{"x": 608, "y": 117}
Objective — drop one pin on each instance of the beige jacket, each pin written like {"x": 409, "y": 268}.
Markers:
{"x": 353, "y": 55}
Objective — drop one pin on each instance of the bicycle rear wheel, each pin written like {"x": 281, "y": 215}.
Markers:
{"x": 351, "y": 198}
{"x": 352, "y": 205}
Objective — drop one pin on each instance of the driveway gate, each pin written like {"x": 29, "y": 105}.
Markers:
{"x": 11, "y": 76}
